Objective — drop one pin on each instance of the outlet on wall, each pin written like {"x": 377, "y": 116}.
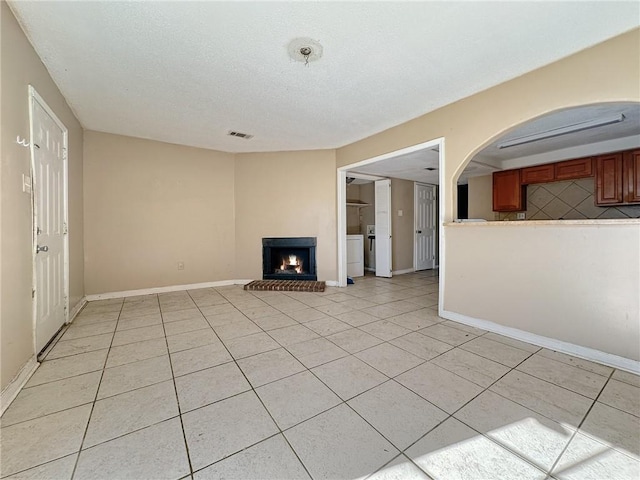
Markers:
{"x": 521, "y": 216}
{"x": 180, "y": 265}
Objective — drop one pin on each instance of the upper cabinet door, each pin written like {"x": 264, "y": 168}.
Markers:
{"x": 609, "y": 179}
{"x": 632, "y": 181}
{"x": 538, "y": 174}
{"x": 572, "y": 169}
{"x": 508, "y": 192}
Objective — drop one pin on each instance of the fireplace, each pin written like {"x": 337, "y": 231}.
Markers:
{"x": 289, "y": 258}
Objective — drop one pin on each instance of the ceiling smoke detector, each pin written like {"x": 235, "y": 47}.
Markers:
{"x": 304, "y": 50}
{"x": 246, "y": 136}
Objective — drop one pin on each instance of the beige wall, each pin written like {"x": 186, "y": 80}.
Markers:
{"x": 576, "y": 283}
{"x": 481, "y": 197}
{"x": 20, "y": 67}
{"x": 607, "y": 72}
{"x": 285, "y": 194}
{"x": 402, "y": 226}
{"x": 150, "y": 205}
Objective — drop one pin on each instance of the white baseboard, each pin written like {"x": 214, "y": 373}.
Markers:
{"x": 172, "y": 288}
{"x": 370, "y": 269}
{"x": 406, "y": 270}
{"x": 12, "y": 390}
{"x": 76, "y": 310}
{"x": 579, "y": 351}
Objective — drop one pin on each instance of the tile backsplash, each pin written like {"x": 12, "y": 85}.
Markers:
{"x": 571, "y": 200}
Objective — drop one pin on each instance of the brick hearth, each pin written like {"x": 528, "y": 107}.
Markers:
{"x": 286, "y": 285}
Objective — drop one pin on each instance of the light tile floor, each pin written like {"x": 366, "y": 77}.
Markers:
{"x": 360, "y": 382}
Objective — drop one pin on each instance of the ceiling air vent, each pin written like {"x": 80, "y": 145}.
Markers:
{"x": 246, "y": 136}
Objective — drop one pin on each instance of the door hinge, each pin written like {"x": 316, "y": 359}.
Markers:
{"x": 33, "y": 293}
{"x": 38, "y": 230}
{"x": 65, "y": 229}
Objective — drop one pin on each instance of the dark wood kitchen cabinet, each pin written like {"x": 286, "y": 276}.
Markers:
{"x": 618, "y": 178}
{"x": 509, "y": 194}
{"x": 631, "y": 164}
{"x": 609, "y": 179}
{"x": 538, "y": 174}
{"x": 574, "y": 169}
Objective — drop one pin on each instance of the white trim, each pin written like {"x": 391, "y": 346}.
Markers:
{"x": 363, "y": 176}
{"x": 442, "y": 188}
{"x": 342, "y": 207}
{"x": 579, "y": 351}
{"x": 369, "y": 269}
{"x": 342, "y": 227}
{"x": 172, "y": 288}
{"x": 12, "y": 390}
{"x": 415, "y": 226}
{"x": 402, "y": 272}
{"x": 34, "y": 96}
{"x": 76, "y": 310}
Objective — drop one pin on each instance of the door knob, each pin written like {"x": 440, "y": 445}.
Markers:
{"x": 42, "y": 248}
{"x": 418, "y": 231}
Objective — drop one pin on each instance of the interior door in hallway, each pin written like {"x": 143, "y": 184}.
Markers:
{"x": 425, "y": 226}
{"x": 49, "y": 171}
{"x": 383, "y": 227}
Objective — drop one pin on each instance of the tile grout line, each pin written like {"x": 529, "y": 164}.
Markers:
{"x": 95, "y": 399}
{"x": 343, "y": 402}
{"x": 175, "y": 390}
{"x": 451, "y": 415}
{"x": 575, "y": 432}
{"x": 280, "y": 432}
{"x": 524, "y": 406}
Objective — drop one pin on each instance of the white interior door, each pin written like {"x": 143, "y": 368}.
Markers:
{"x": 48, "y": 139}
{"x": 426, "y": 226}
{"x": 383, "y": 227}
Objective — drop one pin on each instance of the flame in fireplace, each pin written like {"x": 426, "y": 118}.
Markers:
{"x": 292, "y": 262}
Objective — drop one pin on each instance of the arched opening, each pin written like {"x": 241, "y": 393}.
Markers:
{"x": 570, "y": 164}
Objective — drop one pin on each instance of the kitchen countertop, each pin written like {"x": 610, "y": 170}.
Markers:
{"x": 555, "y": 223}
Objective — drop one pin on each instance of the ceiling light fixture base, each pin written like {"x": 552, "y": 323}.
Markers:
{"x": 305, "y": 50}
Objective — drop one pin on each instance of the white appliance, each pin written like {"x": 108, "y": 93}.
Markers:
{"x": 355, "y": 255}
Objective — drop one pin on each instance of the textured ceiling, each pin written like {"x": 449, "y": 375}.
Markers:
{"x": 413, "y": 166}
{"x": 188, "y": 72}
